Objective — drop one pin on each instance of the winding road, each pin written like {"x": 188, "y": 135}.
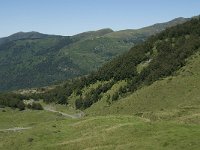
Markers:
{"x": 73, "y": 116}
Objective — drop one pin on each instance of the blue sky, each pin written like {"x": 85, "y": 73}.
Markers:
{"x": 69, "y": 17}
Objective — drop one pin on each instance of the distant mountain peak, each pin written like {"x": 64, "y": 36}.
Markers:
{"x": 32, "y": 34}
{"x": 106, "y": 30}
{"x": 90, "y": 34}
{"x": 23, "y": 35}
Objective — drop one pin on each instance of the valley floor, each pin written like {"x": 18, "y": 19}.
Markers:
{"x": 50, "y": 130}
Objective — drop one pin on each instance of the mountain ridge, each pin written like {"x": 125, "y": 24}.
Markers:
{"x": 31, "y": 56}
{"x": 157, "y": 58}
{"x": 23, "y": 35}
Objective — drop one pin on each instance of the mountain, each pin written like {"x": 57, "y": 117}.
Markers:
{"x": 33, "y": 59}
{"x": 93, "y": 34}
{"x": 147, "y": 98}
{"x": 146, "y": 31}
{"x": 23, "y": 35}
{"x": 141, "y": 68}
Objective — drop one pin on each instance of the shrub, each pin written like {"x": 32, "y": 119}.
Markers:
{"x": 21, "y": 105}
{"x": 36, "y": 106}
{"x": 115, "y": 96}
{"x": 79, "y": 103}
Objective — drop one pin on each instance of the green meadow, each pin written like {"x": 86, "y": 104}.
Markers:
{"x": 52, "y": 131}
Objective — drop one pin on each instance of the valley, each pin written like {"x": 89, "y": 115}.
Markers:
{"x": 102, "y": 90}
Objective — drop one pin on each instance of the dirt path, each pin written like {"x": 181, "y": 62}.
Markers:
{"x": 74, "y": 116}
{"x": 15, "y": 129}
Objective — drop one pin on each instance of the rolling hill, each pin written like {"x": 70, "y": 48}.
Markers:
{"x": 33, "y": 59}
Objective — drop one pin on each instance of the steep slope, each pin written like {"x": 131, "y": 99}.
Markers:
{"x": 157, "y": 58}
{"x": 174, "y": 96}
{"x": 34, "y": 59}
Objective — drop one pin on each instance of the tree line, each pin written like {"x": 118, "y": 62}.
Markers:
{"x": 173, "y": 46}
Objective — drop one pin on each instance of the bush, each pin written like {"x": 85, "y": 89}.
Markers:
{"x": 36, "y": 106}
{"x": 79, "y": 103}
{"x": 29, "y": 106}
{"x": 12, "y": 100}
{"x": 115, "y": 96}
{"x": 21, "y": 105}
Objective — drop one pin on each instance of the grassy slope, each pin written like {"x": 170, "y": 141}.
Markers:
{"x": 164, "y": 115}
{"x": 173, "y": 96}
{"x": 51, "y": 131}
{"x": 169, "y": 119}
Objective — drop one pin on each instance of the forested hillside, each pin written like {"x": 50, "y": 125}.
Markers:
{"x": 33, "y": 59}
{"x": 158, "y": 57}
{"x": 150, "y": 92}
{"x": 99, "y": 75}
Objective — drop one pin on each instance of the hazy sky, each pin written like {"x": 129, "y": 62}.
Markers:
{"x": 68, "y": 17}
